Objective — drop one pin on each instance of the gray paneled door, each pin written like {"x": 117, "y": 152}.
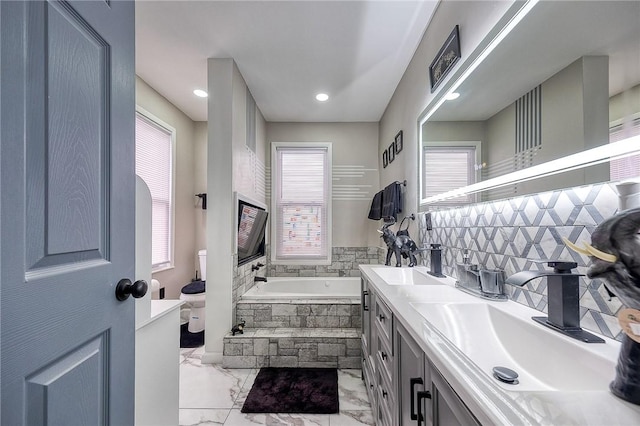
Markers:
{"x": 67, "y": 108}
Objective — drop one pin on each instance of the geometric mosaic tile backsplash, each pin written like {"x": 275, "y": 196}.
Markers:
{"x": 517, "y": 234}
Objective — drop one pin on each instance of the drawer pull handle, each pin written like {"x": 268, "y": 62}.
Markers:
{"x": 365, "y": 293}
{"x": 412, "y": 383}
{"x": 381, "y": 317}
{"x": 384, "y": 394}
{"x": 384, "y": 355}
{"x": 422, "y": 395}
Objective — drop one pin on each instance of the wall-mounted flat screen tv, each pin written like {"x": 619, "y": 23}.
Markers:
{"x": 252, "y": 222}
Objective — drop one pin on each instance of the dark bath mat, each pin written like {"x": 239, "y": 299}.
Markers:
{"x": 190, "y": 340}
{"x": 294, "y": 390}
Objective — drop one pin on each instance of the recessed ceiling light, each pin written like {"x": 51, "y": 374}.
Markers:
{"x": 453, "y": 95}
{"x": 322, "y": 97}
{"x": 200, "y": 93}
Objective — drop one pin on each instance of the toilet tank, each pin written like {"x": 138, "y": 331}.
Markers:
{"x": 202, "y": 257}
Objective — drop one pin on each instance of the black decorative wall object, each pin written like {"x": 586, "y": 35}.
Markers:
{"x": 385, "y": 159}
{"x": 445, "y": 59}
{"x": 398, "y": 142}
{"x": 391, "y": 152}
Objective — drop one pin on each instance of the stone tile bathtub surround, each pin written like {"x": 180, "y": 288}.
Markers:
{"x": 300, "y": 314}
{"x": 344, "y": 263}
{"x": 293, "y": 347}
{"x": 516, "y": 234}
{"x": 243, "y": 280}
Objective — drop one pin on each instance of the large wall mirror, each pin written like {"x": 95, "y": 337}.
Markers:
{"x": 565, "y": 80}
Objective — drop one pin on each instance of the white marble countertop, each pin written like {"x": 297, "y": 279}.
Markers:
{"x": 490, "y": 401}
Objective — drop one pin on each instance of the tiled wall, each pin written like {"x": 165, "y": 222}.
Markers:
{"x": 344, "y": 263}
{"x": 514, "y": 234}
{"x": 243, "y": 280}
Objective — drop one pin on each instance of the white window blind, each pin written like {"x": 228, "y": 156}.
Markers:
{"x": 302, "y": 200}
{"x": 446, "y": 169}
{"x": 627, "y": 167}
{"x": 154, "y": 166}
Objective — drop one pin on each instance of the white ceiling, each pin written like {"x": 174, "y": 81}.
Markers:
{"x": 287, "y": 51}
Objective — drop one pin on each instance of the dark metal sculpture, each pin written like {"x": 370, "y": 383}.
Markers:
{"x": 400, "y": 245}
{"x": 238, "y": 328}
{"x": 615, "y": 254}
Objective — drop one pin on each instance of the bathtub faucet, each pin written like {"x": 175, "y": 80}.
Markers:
{"x": 258, "y": 279}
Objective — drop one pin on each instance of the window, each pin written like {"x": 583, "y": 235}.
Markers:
{"x": 154, "y": 164}
{"x": 447, "y": 168}
{"x": 301, "y": 200}
{"x": 627, "y": 167}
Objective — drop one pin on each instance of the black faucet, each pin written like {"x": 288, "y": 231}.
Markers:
{"x": 436, "y": 260}
{"x": 255, "y": 267}
{"x": 257, "y": 279}
{"x": 563, "y": 299}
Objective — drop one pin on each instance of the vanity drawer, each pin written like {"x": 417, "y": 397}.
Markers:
{"x": 385, "y": 396}
{"x": 369, "y": 382}
{"x": 383, "y": 415}
{"x": 384, "y": 319}
{"x": 384, "y": 357}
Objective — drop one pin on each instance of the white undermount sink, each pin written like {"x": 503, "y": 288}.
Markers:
{"x": 545, "y": 360}
{"x": 404, "y": 276}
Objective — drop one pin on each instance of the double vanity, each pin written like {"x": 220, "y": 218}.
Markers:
{"x": 434, "y": 355}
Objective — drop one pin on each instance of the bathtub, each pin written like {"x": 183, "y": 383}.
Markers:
{"x": 305, "y": 288}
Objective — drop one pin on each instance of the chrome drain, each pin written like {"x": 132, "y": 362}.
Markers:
{"x": 505, "y": 375}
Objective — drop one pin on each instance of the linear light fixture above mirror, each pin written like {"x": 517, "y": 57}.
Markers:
{"x": 591, "y": 157}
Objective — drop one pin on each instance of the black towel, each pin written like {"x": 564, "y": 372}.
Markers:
{"x": 375, "y": 212}
{"x": 392, "y": 200}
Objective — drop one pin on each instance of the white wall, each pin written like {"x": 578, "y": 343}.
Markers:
{"x": 184, "y": 256}
{"x": 229, "y": 168}
{"x": 200, "y": 185}
{"x": 353, "y": 144}
{"x": 625, "y": 106}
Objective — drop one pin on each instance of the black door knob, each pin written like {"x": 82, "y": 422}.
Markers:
{"x": 124, "y": 288}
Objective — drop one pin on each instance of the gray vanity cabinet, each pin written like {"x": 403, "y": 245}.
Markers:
{"x": 413, "y": 375}
{"x": 369, "y": 340}
{"x": 398, "y": 375}
{"x": 365, "y": 313}
{"x": 421, "y": 389}
{"x": 448, "y": 408}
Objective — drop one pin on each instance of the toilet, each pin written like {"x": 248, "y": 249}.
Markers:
{"x": 194, "y": 294}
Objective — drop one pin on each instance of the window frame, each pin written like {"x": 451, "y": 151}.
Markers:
{"x": 172, "y": 196}
{"x": 476, "y": 145}
{"x": 276, "y": 215}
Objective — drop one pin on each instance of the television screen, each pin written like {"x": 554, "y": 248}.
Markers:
{"x": 252, "y": 221}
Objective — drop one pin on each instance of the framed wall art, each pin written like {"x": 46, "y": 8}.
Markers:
{"x": 398, "y": 142}
{"x": 445, "y": 59}
{"x": 385, "y": 159}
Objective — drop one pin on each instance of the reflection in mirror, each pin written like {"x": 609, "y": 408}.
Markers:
{"x": 565, "y": 80}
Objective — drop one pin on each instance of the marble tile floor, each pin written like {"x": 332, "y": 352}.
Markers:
{"x": 212, "y": 395}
